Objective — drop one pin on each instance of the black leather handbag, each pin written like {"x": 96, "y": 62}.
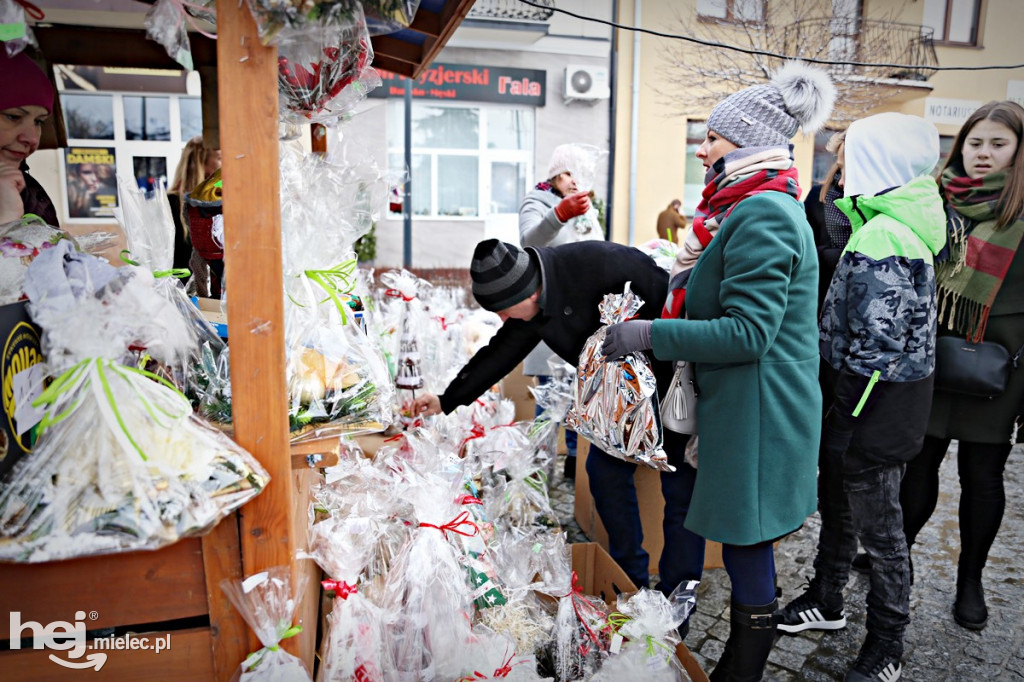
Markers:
{"x": 981, "y": 370}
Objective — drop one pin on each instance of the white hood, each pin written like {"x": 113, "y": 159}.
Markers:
{"x": 888, "y": 150}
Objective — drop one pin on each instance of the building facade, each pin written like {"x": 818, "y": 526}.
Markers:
{"x": 662, "y": 131}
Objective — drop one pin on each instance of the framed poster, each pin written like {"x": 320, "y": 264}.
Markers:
{"x": 91, "y": 181}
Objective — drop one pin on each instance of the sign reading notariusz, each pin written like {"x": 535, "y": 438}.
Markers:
{"x": 466, "y": 83}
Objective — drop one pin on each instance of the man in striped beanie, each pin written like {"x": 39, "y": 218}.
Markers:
{"x": 551, "y": 294}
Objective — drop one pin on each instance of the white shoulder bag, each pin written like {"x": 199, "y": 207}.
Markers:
{"x": 679, "y": 408}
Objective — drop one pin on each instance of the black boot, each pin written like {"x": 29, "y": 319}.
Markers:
{"x": 969, "y": 610}
{"x": 751, "y": 636}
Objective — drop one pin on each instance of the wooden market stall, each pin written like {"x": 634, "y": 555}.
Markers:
{"x": 176, "y": 590}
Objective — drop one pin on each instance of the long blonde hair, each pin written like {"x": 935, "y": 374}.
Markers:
{"x": 189, "y": 173}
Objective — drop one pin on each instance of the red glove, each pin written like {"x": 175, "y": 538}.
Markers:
{"x": 572, "y": 206}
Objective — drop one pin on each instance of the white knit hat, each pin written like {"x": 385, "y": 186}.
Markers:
{"x": 561, "y": 159}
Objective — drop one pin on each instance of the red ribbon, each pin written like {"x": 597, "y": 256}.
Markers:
{"x": 478, "y": 431}
{"x": 341, "y": 589}
{"x": 395, "y": 293}
{"x": 454, "y": 525}
{"x": 576, "y": 599}
{"x": 31, "y": 10}
{"x": 444, "y": 324}
{"x": 469, "y": 499}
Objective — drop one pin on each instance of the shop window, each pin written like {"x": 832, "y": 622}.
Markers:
{"x": 191, "y": 110}
{"x": 88, "y": 117}
{"x": 467, "y": 161}
{"x": 147, "y": 118}
{"x": 731, "y": 10}
{"x": 696, "y": 131}
{"x": 955, "y": 21}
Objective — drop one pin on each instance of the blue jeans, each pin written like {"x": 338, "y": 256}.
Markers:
{"x": 860, "y": 499}
{"x": 614, "y": 493}
{"x": 570, "y": 435}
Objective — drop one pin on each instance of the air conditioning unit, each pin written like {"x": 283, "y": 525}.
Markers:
{"x": 586, "y": 82}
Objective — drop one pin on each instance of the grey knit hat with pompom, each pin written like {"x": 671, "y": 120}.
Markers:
{"x": 797, "y": 97}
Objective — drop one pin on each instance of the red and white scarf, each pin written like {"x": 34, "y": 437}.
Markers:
{"x": 739, "y": 174}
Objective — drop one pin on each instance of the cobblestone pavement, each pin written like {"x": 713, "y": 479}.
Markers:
{"x": 936, "y": 648}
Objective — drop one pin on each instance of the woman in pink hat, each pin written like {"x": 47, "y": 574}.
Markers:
{"x": 26, "y": 101}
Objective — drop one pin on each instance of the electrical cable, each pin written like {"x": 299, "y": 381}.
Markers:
{"x": 764, "y": 53}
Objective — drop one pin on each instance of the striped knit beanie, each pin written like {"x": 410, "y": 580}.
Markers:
{"x": 503, "y": 275}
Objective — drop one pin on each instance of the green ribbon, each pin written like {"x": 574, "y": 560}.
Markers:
{"x": 337, "y": 282}
{"x": 616, "y": 620}
{"x": 256, "y": 656}
{"x": 74, "y": 379}
{"x": 180, "y": 273}
{"x": 13, "y": 31}
{"x": 541, "y": 485}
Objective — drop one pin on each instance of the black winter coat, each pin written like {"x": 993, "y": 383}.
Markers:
{"x": 574, "y": 279}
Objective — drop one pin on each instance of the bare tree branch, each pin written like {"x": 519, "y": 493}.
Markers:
{"x": 697, "y": 76}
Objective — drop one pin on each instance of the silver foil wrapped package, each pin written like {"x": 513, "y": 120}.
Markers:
{"x": 615, "y": 402}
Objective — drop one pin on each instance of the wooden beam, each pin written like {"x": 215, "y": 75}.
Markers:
{"x": 120, "y": 47}
{"x": 426, "y": 22}
{"x": 394, "y": 66}
{"x": 387, "y": 46}
{"x": 229, "y": 634}
{"x": 452, "y": 15}
{"x": 252, "y": 254}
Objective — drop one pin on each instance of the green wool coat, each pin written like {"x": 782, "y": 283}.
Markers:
{"x": 752, "y": 334}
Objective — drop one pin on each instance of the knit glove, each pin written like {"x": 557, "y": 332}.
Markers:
{"x": 626, "y": 337}
{"x": 572, "y": 206}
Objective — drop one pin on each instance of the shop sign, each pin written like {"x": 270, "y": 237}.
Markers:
{"x": 952, "y": 111}
{"x": 465, "y": 83}
{"x": 91, "y": 181}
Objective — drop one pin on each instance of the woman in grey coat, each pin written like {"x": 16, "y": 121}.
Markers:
{"x": 555, "y": 212}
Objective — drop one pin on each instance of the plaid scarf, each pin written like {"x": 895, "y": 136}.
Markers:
{"x": 739, "y": 174}
{"x": 980, "y": 252}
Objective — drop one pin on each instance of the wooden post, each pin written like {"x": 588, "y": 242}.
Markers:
{"x": 247, "y": 77}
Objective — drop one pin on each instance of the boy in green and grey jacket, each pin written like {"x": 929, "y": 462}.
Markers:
{"x": 877, "y": 336}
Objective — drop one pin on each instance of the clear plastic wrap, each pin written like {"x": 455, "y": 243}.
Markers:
{"x": 147, "y": 223}
{"x": 522, "y": 499}
{"x": 20, "y": 242}
{"x": 121, "y": 463}
{"x": 267, "y": 602}
{"x": 426, "y": 593}
{"x": 645, "y": 640}
{"x": 615, "y": 402}
{"x": 582, "y": 162}
{"x": 19, "y": 34}
{"x": 662, "y": 251}
{"x": 382, "y": 16}
{"x": 581, "y": 639}
{"x": 168, "y": 21}
{"x": 324, "y": 68}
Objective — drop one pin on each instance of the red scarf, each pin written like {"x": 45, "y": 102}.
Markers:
{"x": 715, "y": 206}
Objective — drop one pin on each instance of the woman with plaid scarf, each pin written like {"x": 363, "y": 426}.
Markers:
{"x": 981, "y": 297}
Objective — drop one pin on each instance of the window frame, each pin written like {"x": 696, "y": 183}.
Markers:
{"x": 942, "y": 33}
{"x": 486, "y": 157}
{"x": 125, "y": 149}
{"x": 730, "y": 14}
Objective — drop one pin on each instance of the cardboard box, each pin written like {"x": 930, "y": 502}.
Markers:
{"x": 22, "y": 379}
{"x": 599, "y": 575}
{"x": 211, "y": 310}
{"x": 652, "y": 511}
{"x": 516, "y": 387}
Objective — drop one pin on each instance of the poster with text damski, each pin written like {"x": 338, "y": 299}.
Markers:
{"x": 91, "y": 181}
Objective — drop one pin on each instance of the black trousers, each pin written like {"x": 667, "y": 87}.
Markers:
{"x": 982, "y": 497}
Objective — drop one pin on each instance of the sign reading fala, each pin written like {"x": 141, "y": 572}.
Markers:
{"x": 468, "y": 83}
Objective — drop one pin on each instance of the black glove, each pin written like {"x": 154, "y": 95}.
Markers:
{"x": 626, "y": 337}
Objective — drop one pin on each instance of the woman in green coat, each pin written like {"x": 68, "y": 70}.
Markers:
{"x": 747, "y": 274}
